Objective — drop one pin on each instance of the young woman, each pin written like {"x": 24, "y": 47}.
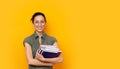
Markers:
{"x": 32, "y": 43}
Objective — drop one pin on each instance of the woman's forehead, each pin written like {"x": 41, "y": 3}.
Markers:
{"x": 39, "y": 17}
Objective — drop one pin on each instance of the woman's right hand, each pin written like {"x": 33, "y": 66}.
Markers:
{"x": 39, "y": 56}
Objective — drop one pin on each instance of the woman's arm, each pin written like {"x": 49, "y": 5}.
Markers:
{"x": 30, "y": 59}
{"x": 50, "y": 60}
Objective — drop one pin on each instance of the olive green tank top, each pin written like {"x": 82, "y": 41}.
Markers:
{"x": 33, "y": 40}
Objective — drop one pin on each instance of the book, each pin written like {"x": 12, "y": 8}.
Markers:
{"x": 49, "y": 51}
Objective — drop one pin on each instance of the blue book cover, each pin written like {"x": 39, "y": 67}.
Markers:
{"x": 49, "y": 54}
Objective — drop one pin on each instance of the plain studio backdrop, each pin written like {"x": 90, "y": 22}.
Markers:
{"x": 88, "y": 32}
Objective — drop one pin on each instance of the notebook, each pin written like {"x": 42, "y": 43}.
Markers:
{"x": 49, "y": 51}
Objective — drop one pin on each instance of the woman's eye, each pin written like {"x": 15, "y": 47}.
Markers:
{"x": 37, "y": 22}
{"x": 42, "y": 21}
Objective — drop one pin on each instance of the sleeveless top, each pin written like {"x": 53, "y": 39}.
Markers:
{"x": 33, "y": 41}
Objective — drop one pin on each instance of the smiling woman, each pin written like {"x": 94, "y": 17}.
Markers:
{"x": 33, "y": 42}
{"x": 38, "y": 21}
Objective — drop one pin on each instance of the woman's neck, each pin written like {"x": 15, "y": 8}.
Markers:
{"x": 39, "y": 33}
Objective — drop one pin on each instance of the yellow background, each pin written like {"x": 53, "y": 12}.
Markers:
{"x": 88, "y": 32}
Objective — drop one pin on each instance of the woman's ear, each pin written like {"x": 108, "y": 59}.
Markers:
{"x": 33, "y": 24}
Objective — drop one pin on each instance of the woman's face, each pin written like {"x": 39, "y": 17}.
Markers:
{"x": 39, "y": 23}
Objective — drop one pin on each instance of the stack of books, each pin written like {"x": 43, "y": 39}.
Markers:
{"x": 49, "y": 51}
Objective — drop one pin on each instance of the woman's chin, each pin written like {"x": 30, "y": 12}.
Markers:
{"x": 39, "y": 30}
